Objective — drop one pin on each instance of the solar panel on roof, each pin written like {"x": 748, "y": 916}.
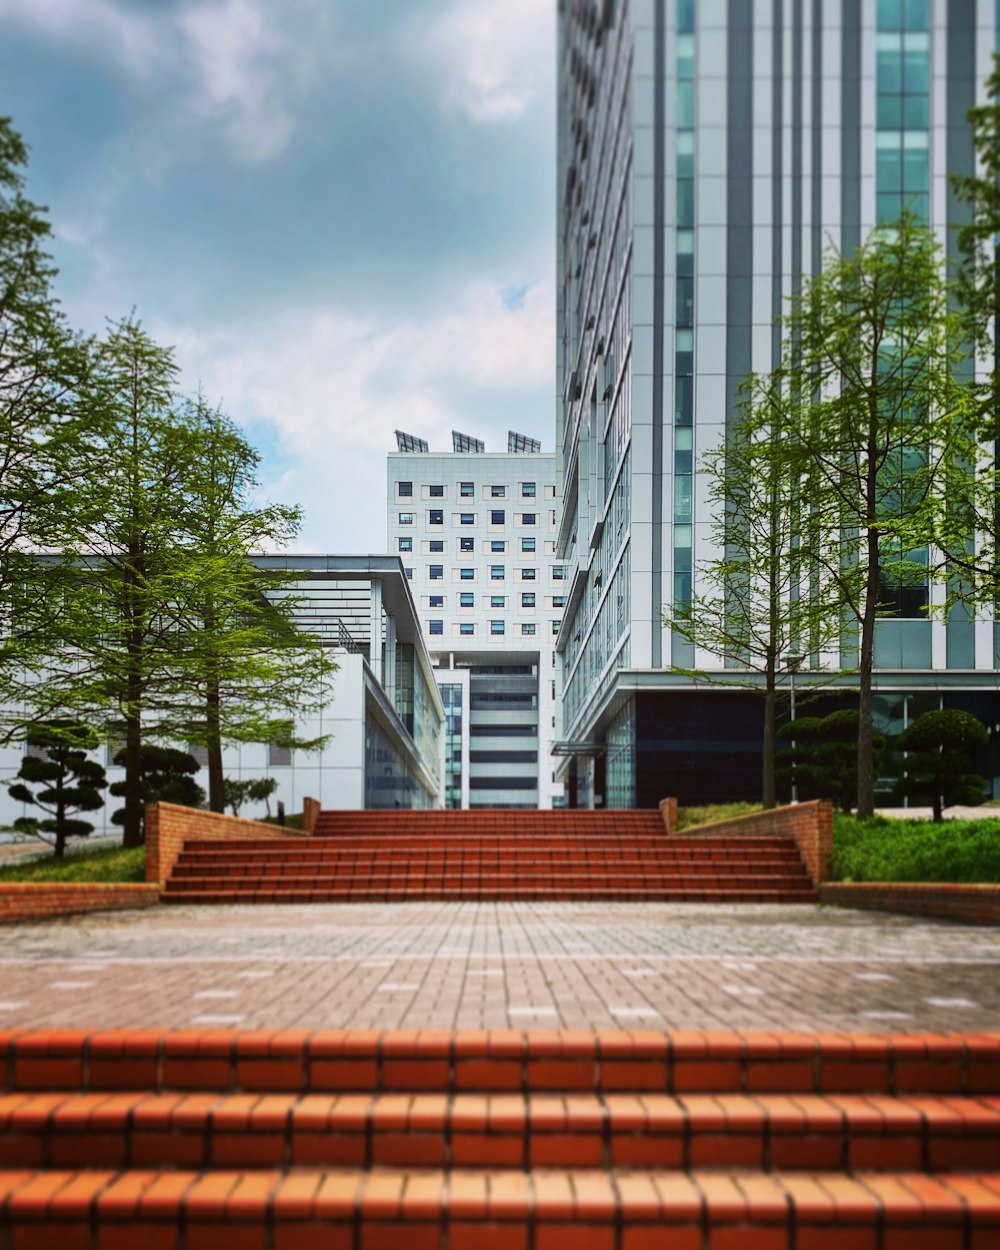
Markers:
{"x": 522, "y": 443}
{"x": 410, "y": 442}
{"x": 465, "y": 442}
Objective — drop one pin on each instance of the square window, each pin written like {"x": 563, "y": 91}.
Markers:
{"x": 528, "y": 575}
{"x": 528, "y": 599}
{"x": 496, "y": 572}
{"x": 498, "y": 601}
{"x": 529, "y": 518}
{"x": 466, "y": 599}
{"x": 558, "y": 601}
{"x": 467, "y": 490}
{"x": 497, "y": 544}
{"x": 528, "y": 490}
{"x": 435, "y": 517}
{"x": 467, "y": 575}
{"x": 466, "y": 544}
{"x": 436, "y": 601}
{"x": 556, "y": 626}
{"x": 497, "y": 516}
{"x": 436, "y": 544}
{"x": 466, "y": 518}
{"x": 435, "y": 627}
{"x": 435, "y": 492}
{"x": 406, "y": 544}
{"x": 558, "y": 572}
{"x": 498, "y": 492}
{"x": 527, "y": 544}
{"x": 528, "y": 629}
{"x": 409, "y": 573}
{"x": 404, "y": 490}
{"x": 496, "y": 627}
{"x": 406, "y": 518}
{"x": 435, "y": 572}
{"x": 466, "y": 628}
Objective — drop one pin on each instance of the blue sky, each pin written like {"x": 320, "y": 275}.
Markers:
{"x": 340, "y": 212}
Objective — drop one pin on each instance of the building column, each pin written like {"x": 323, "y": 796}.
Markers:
{"x": 389, "y": 683}
{"x": 375, "y": 632}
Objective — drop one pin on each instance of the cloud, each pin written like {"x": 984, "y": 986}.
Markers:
{"x": 491, "y": 55}
{"x": 333, "y": 387}
{"x": 241, "y": 63}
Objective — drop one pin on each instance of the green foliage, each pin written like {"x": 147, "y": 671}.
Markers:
{"x": 253, "y": 789}
{"x": 761, "y": 600}
{"x": 823, "y": 763}
{"x": 114, "y": 864}
{"x": 43, "y": 378}
{"x": 888, "y": 435}
{"x": 880, "y": 849}
{"x": 166, "y": 775}
{"x": 941, "y": 747}
{"x": 69, "y": 782}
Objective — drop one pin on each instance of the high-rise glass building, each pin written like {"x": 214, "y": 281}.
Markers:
{"x": 710, "y": 151}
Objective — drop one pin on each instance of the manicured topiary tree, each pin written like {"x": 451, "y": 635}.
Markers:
{"x": 941, "y": 748}
{"x": 167, "y": 776}
{"x": 825, "y": 758}
{"x": 63, "y": 782}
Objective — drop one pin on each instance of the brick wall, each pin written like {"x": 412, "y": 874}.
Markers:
{"x": 970, "y": 904}
{"x": 36, "y": 900}
{"x": 310, "y": 814}
{"x": 668, "y": 810}
{"x": 810, "y": 824}
{"x": 168, "y": 826}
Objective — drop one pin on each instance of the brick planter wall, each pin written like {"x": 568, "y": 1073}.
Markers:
{"x": 36, "y": 900}
{"x": 169, "y": 825}
{"x": 810, "y": 824}
{"x": 970, "y": 904}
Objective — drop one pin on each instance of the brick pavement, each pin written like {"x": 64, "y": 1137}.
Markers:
{"x": 520, "y": 965}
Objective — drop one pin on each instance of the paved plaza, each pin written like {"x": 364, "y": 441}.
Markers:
{"x": 502, "y": 965}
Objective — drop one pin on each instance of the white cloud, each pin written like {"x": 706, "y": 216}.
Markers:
{"x": 492, "y": 54}
{"x": 228, "y": 61}
{"x": 335, "y": 387}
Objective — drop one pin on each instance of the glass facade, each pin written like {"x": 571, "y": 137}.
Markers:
{"x": 451, "y": 697}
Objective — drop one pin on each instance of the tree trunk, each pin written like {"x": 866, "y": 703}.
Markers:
{"x": 213, "y": 740}
{"x": 937, "y": 803}
{"x": 866, "y": 753}
{"x": 767, "y": 780}
{"x": 133, "y": 777}
{"x": 60, "y": 847}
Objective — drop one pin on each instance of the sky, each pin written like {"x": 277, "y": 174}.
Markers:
{"x": 340, "y": 213}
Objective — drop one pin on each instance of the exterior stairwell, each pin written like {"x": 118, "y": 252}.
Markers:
{"x": 201, "y": 1140}
{"x": 492, "y": 856}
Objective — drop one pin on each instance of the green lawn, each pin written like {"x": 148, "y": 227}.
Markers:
{"x": 915, "y": 850}
{"x": 687, "y": 817}
{"x": 112, "y": 864}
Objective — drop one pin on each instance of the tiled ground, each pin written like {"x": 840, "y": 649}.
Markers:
{"x": 520, "y": 965}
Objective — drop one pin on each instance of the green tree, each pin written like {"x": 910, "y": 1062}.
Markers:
{"x": 941, "y": 747}
{"x": 43, "y": 375}
{"x": 824, "y": 757}
{"x": 762, "y": 601}
{"x": 888, "y": 435}
{"x": 70, "y": 782}
{"x": 119, "y": 617}
{"x": 166, "y": 775}
{"x": 248, "y": 669}
{"x": 250, "y": 789}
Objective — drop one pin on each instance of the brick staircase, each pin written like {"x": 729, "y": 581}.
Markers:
{"x": 498, "y": 1141}
{"x": 491, "y": 856}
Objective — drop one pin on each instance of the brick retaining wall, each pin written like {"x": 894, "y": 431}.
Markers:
{"x": 169, "y": 825}
{"x": 37, "y": 900}
{"x": 970, "y": 904}
{"x": 810, "y": 824}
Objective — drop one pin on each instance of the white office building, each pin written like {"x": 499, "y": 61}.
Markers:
{"x": 476, "y": 533}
